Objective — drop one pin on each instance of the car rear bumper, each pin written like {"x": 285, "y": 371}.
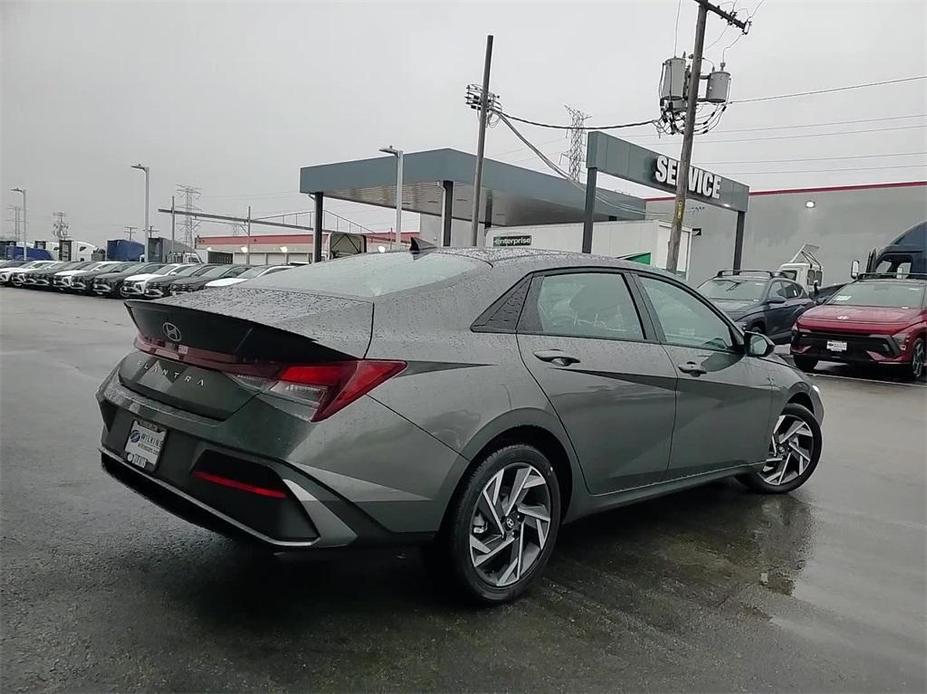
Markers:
{"x": 334, "y": 478}
{"x": 860, "y": 349}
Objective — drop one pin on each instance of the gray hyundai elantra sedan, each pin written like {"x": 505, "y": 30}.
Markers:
{"x": 469, "y": 400}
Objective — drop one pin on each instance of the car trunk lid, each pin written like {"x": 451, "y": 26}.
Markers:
{"x": 209, "y": 354}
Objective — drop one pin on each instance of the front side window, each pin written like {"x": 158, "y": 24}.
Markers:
{"x": 686, "y": 321}
{"x": 792, "y": 290}
{"x": 779, "y": 289}
{"x": 582, "y": 304}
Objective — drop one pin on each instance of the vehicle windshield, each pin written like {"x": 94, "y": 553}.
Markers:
{"x": 167, "y": 270}
{"x": 371, "y": 274}
{"x": 882, "y": 294}
{"x": 733, "y": 289}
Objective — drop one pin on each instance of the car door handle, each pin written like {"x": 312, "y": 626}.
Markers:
{"x": 555, "y": 356}
{"x": 690, "y": 367}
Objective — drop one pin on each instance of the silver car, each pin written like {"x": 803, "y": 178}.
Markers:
{"x": 469, "y": 400}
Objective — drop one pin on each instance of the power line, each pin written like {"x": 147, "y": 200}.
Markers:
{"x": 830, "y": 90}
{"x": 563, "y": 174}
{"x": 796, "y": 137}
{"x": 852, "y": 168}
{"x": 676, "y": 28}
{"x": 788, "y": 161}
{"x": 651, "y": 121}
{"x": 743, "y": 130}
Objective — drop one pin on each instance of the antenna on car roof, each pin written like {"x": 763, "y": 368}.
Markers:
{"x": 417, "y": 245}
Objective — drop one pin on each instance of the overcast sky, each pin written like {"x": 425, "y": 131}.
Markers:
{"x": 235, "y": 97}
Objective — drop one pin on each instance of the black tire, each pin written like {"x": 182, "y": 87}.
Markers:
{"x": 805, "y": 363}
{"x": 756, "y": 481}
{"x": 449, "y": 557}
{"x": 918, "y": 370}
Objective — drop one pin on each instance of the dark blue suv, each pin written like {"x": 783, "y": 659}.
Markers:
{"x": 760, "y": 301}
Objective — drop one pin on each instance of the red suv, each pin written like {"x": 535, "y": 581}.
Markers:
{"x": 874, "y": 320}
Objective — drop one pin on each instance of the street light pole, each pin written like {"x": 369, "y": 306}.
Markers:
{"x": 142, "y": 167}
{"x": 398, "y": 153}
{"x": 23, "y": 191}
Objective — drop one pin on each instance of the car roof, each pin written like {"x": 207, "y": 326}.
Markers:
{"x": 533, "y": 259}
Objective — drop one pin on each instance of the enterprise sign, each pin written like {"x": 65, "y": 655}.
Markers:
{"x": 701, "y": 182}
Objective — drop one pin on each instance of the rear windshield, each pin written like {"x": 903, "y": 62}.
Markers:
{"x": 883, "y": 294}
{"x": 371, "y": 274}
{"x": 725, "y": 289}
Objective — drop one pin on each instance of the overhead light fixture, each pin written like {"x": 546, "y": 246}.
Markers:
{"x": 284, "y": 249}
{"x": 244, "y": 249}
{"x": 381, "y": 249}
{"x": 209, "y": 249}
{"x": 809, "y": 204}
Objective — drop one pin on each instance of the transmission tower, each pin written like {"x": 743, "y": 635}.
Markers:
{"x": 60, "y": 227}
{"x": 576, "y": 155}
{"x": 188, "y": 225}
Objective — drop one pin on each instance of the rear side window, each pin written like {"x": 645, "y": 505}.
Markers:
{"x": 582, "y": 304}
{"x": 371, "y": 274}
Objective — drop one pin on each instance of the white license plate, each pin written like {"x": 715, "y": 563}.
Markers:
{"x": 836, "y": 346}
{"x": 143, "y": 447}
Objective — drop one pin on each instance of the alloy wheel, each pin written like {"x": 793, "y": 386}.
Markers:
{"x": 510, "y": 524}
{"x": 918, "y": 359}
{"x": 790, "y": 451}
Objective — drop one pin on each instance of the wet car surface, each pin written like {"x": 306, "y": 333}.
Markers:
{"x": 714, "y": 589}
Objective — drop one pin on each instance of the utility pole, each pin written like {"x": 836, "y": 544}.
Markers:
{"x": 475, "y": 239}
{"x": 685, "y": 157}
{"x": 130, "y": 232}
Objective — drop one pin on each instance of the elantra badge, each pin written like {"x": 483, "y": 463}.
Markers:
{"x": 171, "y": 332}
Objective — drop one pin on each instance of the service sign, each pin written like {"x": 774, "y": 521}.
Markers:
{"x": 701, "y": 182}
{"x": 509, "y": 241}
{"x": 626, "y": 160}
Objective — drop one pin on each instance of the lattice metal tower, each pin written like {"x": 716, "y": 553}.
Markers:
{"x": 188, "y": 196}
{"x": 576, "y": 155}
{"x": 60, "y": 227}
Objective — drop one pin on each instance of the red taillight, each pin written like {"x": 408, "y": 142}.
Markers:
{"x": 235, "y": 484}
{"x": 329, "y": 387}
{"x": 336, "y": 385}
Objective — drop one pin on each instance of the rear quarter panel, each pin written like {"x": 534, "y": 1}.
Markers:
{"x": 464, "y": 388}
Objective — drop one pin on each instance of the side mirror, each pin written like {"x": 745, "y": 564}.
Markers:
{"x": 759, "y": 345}
{"x": 854, "y": 269}
{"x": 775, "y": 299}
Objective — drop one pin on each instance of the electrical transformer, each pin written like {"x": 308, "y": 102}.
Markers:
{"x": 719, "y": 87}
{"x": 673, "y": 83}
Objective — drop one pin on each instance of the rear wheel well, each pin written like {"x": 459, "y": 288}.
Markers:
{"x": 545, "y": 442}
{"x": 802, "y": 399}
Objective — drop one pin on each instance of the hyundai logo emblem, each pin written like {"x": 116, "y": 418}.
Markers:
{"x": 171, "y": 332}
{"x": 842, "y": 317}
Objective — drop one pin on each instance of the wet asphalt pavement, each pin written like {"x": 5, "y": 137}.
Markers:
{"x": 715, "y": 589}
